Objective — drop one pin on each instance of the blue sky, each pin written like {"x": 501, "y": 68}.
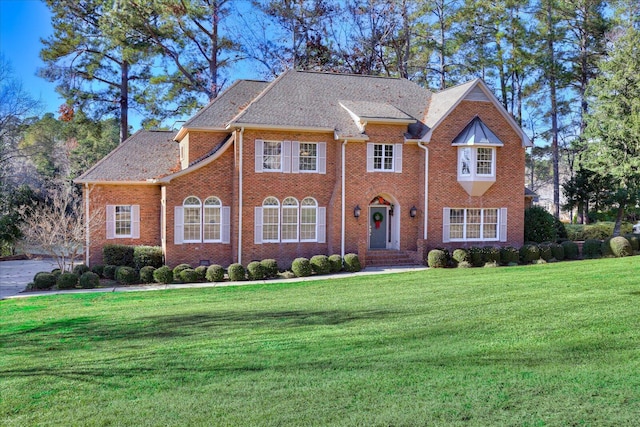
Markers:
{"x": 22, "y": 24}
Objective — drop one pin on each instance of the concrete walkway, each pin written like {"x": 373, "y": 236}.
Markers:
{"x": 15, "y": 275}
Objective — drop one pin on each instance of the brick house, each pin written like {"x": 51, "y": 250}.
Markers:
{"x": 317, "y": 163}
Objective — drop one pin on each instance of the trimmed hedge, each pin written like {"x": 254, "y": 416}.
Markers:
{"x": 189, "y": 275}
{"x": 255, "y": 271}
{"x": 301, "y": 267}
{"x": 352, "y": 263}
{"x": 571, "y": 250}
{"x": 460, "y": 255}
{"x": 270, "y": 267}
{"x": 146, "y": 274}
{"x": 509, "y": 255}
{"x": 127, "y": 275}
{"x": 178, "y": 269}
{"x": 44, "y": 280}
{"x": 592, "y": 248}
{"x": 320, "y": 264}
{"x": 67, "y": 280}
{"x": 557, "y": 251}
{"x": 545, "y": 251}
{"x": 236, "y": 272}
{"x": 89, "y": 280}
{"x": 529, "y": 253}
{"x": 201, "y": 270}
{"x": 98, "y": 269}
{"x": 120, "y": 255}
{"x": 163, "y": 274}
{"x": 620, "y": 247}
{"x": 335, "y": 262}
{"x": 476, "y": 257}
{"x": 147, "y": 256}
{"x": 437, "y": 258}
{"x": 215, "y": 273}
{"x": 539, "y": 225}
{"x": 606, "y": 250}
{"x": 634, "y": 240}
{"x": 80, "y": 269}
{"x": 491, "y": 254}
{"x": 109, "y": 271}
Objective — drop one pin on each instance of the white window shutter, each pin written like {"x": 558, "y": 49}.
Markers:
{"x": 111, "y": 222}
{"x": 259, "y": 155}
{"x": 503, "y": 224}
{"x": 135, "y": 221}
{"x": 397, "y": 158}
{"x": 257, "y": 225}
{"x": 322, "y": 157}
{"x": 225, "y": 225}
{"x": 178, "y": 225}
{"x": 322, "y": 225}
{"x": 446, "y": 219}
{"x": 370, "y": 157}
{"x": 286, "y": 156}
{"x": 295, "y": 156}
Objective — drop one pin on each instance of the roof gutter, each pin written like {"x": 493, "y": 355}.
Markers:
{"x": 342, "y": 213}
{"x": 240, "y": 141}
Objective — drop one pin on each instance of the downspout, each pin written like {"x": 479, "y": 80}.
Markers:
{"x": 342, "y": 219}
{"x": 426, "y": 187}
{"x": 240, "y": 163}
{"x": 87, "y": 238}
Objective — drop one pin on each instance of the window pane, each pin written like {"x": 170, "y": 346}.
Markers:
{"x": 308, "y": 156}
{"x": 211, "y": 227}
{"x": 192, "y": 223}
{"x": 270, "y": 223}
{"x": 383, "y": 156}
{"x": 465, "y": 161}
{"x": 485, "y": 160}
{"x": 123, "y": 221}
{"x": 290, "y": 222}
{"x": 272, "y": 152}
{"x": 490, "y": 228}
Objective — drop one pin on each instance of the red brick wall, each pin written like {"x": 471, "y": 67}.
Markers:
{"x": 147, "y": 196}
{"x": 506, "y": 192}
{"x": 201, "y": 143}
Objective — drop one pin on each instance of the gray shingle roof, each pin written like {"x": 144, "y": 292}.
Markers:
{"x": 144, "y": 155}
{"x": 310, "y": 99}
{"x": 441, "y": 102}
{"x": 476, "y": 132}
{"x": 374, "y": 110}
{"x": 219, "y": 112}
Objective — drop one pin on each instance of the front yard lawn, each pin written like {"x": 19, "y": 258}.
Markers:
{"x": 555, "y": 344}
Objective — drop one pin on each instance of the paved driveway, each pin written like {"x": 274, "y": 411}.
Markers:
{"x": 15, "y": 275}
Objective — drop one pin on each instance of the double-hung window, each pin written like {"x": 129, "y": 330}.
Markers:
{"x": 212, "y": 221}
{"x": 474, "y": 224}
{"x": 308, "y": 157}
{"x": 271, "y": 220}
{"x": 308, "y": 220}
{"x": 476, "y": 162}
{"x": 290, "y": 221}
{"x": 272, "y": 156}
{"x": 290, "y": 156}
{"x": 192, "y": 219}
{"x": 123, "y": 221}
{"x": 384, "y": 157}
{"x": 197, "y": 222}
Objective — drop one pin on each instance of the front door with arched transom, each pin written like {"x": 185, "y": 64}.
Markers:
{"x": 379, "y": 223}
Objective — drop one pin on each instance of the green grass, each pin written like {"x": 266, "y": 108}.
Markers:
{"x": 555, "y": 344}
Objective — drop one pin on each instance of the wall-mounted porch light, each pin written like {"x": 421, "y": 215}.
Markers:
{"x": 413, "y": 211}
{"x": 356, "y": 211}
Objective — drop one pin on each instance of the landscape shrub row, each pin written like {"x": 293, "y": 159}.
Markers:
{"x": 534, "y": 253}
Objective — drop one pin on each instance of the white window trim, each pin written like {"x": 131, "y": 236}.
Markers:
{"x": 396, "y": 163}
{"x": 225, "y": 224}
{"x": 320, "y": 225}
{"x": 111, "y": 223}
{"x": 184, "y": 224}
{"x": 279, "y": 221}
{"x": 202, "y": 215}
{"x": 474, "y": 175}
{"x": 501, "y": 226}
{"x": 297, "y": 223}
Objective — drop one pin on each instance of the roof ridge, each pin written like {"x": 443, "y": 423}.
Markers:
{"x": 459, "y": 85}
{"x": 220, "y": 95}
{"x": 260, "y": 96}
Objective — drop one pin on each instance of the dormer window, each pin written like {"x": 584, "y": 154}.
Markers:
{"x": 476, "y": 157}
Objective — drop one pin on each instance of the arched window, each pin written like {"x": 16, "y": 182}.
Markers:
{"x": 308, "y": 219}
{"x": 192, "y": 219}
{"x": 290, "y": 220}
{"x": 212, "y": 220}
{"x": 270, "y": 220}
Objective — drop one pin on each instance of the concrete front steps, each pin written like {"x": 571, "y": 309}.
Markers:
{"x": 390, "y": 257}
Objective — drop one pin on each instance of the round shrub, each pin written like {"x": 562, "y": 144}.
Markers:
{"x": 44, "y": 280}
{"x": 109, "y": 271}
{"x": 146, "y": 274}
{"x": 320, "y": 264}
{"x": 352, "y": 263}
{"x": 270, "y": 267}
{"x": 539, "y": 225}
{"x": 592, "y": 248}
{"x": 56, "y": 272}
{"x": 189, "y": 275}
{"x": 620, "y": 247}
{"x": 301, "y": 267}
{"x": 67, "y": 281}
{"x": 335, "y": 263}
{"x": 529, "y": 253}
{"x": 634, "y": 240}
{"x": 147, "y": 255}
{"x": 460, "y": 255}
{"x": 236, "y": 272}
{"x": 98, "y": 269}
{"x": 476, "y": 256}
{"x": 437, "y": 258}
{"x": 89, "y": 280}
{"x": 178, "y": 268}
{"x": 571, "y": 250}
{"x": 491, "y": 254}
{"x": 127, "y": 275}
{"x": 557, "y": 251}
{"x": 118, "y": 255}
{"x": 163, "y": 274}
{"x": 215, "y": 273}
{"x": 255, "y": 271}
{"x": 607, "y": 252}
{"x": 545, "y": 251}
{"x": 201, "y": 270}
{"x": 80, "y": 269}
{"x": 464, "y": 264}
{"x": 509, "y": 255}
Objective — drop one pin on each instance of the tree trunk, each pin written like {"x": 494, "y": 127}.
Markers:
{"x": 616, "y": 228}
{"x": 554, "y": 109}
{"x": 213, "y": 59}
{"x": 124, "y": 101}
